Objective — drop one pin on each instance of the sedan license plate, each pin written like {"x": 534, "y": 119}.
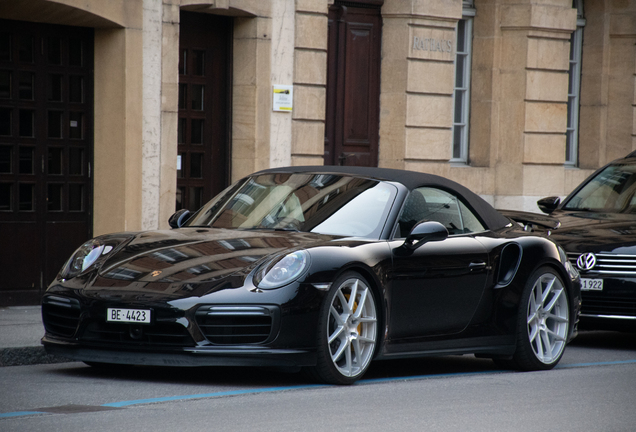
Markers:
{"x": 591, "y": 284}
{"x": 139, "y": 316}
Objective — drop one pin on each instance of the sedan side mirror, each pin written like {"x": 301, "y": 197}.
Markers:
{"x": 424, "y": 232}
{"x": 177, "y": 220}
{"x": 549, "y": 204}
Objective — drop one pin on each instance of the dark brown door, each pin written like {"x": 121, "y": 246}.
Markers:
{"x": 353, "y": 86}
{"x": 46, "y": 117}
{"x": 204, "y": 95}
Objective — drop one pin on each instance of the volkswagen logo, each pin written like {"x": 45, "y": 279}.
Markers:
{"x": 586, "y": 261}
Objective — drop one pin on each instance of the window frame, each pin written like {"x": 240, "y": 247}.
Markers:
{"x": 461, "y": 126}
{"x": 574, "y": 89}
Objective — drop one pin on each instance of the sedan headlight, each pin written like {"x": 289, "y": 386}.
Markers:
{"x": 83, "y": 258}
{"x": 282, "y": 271}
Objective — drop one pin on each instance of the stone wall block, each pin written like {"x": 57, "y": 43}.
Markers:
{"x": 428, "y": 144}
{"x": 430, "y": 77}
{"x": 548, "y": 54}
{"x": 311, "y": 31}
{"x": 483, "y": 53}
{"x": 310, "y": 67}
{"x": 546, "y": 117}
{"x": 245, "y": 63}
{"x": 309, "y": 103}
{"x": 429, "y": 110}
{"x": 392, "y": 131}
{"x": 437, "y": 8}
{"x": 544, "y": 149}
{"x": 169, "y": 97}
{"x": 395, "y": 39}
{"x": 171, "y": 13}
{"x": 316, "y": 6}
{"x": 308, "y": 138}
{"x": 538, "y": 16}
{"x": 307, "y": 160}
{"x": 169, "y": 56}
{"x": 479, "y": 180}
{"x": 547, "y": 86}
{"x": 543, "y": 180}
{"x": 509, "y": 179}
{"x": 623, "y": 24}
{"x": 244, "y": 120}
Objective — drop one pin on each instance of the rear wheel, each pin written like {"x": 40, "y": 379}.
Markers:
{"x": 347, "y": 332}
{"x": 543, "y": 323}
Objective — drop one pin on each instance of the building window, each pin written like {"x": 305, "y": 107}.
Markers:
{"x": 574, "y": 87}
{"x": 461, "y": 95}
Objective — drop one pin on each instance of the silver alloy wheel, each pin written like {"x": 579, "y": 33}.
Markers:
{"x": 548, "y": 318}
{"x": 352, "y": 327}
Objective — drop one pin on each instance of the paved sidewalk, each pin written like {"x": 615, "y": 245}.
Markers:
{"x": 20, "y": 332}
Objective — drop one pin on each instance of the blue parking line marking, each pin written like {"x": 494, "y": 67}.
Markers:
{"x": 210, "y": 395}
{"x": 20, "y": 413}
{"x": 122, "y": 404}
{"x": 608, "y": 363}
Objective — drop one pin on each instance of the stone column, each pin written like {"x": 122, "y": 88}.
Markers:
{"x": 251, "y": 95}
{"x": 530, "y": 84}
{"x": 418, "y": 53}
{"x": 118, "y": 128}
{"x": 310, "y": 81}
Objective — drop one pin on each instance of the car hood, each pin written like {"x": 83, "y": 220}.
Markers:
{"x": 596, "y": 232}
{"x": 189, "y": 262}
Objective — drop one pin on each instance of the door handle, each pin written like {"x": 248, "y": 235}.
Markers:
{"x": 474, "y": 266}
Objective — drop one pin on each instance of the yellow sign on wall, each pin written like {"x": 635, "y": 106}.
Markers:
{"x": 283, "y": 98}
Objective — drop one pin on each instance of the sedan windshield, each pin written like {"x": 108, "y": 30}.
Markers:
{"x": 612, "y": 190}
{"x": 320, "y": 203}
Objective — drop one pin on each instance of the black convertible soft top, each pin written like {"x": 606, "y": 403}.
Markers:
{"x": 411, "y": 180}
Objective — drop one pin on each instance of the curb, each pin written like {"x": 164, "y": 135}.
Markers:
{"x": 24, "y": 356}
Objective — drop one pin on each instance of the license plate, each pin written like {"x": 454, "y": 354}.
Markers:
{"x": 139, "y": 316}
{"x": 591, "y": 284}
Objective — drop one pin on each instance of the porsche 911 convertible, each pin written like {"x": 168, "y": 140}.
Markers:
{"x": 319, "y": 268}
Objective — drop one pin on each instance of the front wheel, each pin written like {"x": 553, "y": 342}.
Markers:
{"x": 347, "y": 332}
{"x": 543, "y": 322}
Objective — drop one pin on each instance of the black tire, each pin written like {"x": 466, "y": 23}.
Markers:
{"x": 543, "y": 323}
{"x": 347, "y": 331}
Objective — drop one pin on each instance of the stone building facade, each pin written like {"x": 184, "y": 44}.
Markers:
{"x": 516, "y": 99}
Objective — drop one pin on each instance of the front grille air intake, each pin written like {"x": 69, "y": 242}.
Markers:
{"x": 237, "y": 325}
{"x": 608, "y": 264}
{"x": 60, "y": 315}
{"x": 159, "y": 334}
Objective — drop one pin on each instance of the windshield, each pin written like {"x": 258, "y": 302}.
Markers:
{"x": 319, "y": 203}
{"x": 612, "y": 190}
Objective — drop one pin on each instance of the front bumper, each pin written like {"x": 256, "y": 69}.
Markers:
{"x": 185, "y": 357}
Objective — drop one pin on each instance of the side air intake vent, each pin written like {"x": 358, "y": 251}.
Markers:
{"x": 508, "y": 264}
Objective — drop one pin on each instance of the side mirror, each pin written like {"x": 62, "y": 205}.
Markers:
{"x": 549, "y": 204}
{"x": 177, "y": 219}
{"x": 424, "y": 232}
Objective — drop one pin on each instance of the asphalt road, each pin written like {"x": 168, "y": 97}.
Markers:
{"x": 593, "y": 389}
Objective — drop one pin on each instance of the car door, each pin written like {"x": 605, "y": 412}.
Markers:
{"x": 435, "y": 289}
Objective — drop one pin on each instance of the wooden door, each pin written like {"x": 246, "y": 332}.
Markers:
{"x": 46, "y": 147}
{"x": 204, "y": 107}
{"x": 353, "y": 86}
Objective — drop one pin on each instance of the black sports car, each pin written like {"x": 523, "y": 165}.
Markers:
{"x": 598, "y": 232}
{"x": 325, "y": 268}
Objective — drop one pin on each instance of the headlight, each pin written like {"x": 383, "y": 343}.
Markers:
{"x": 84, "y": 257}
{"x": 282, "y": 271}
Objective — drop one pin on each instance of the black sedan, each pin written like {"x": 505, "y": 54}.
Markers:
{"x": 321, "y": 268}
{"x": 598, "y": 231}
